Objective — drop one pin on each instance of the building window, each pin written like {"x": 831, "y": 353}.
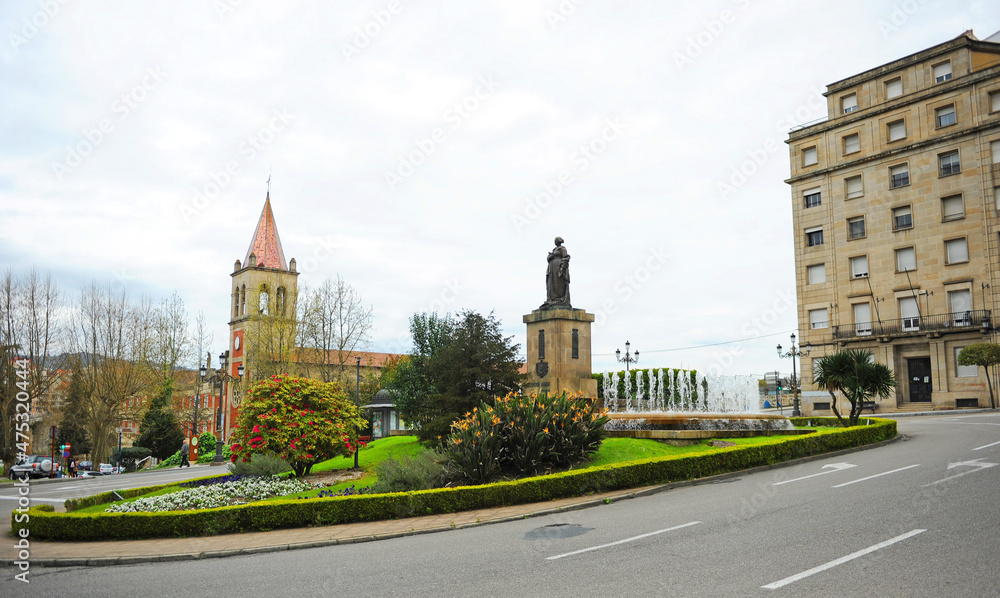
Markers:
{"x": 965, "y": 371}
{"x": 942, "y": 72}
{"x": 817, "y": 318}
{"x": 816, "y": 274}
{"x": 960, "y": 303}
{"x": 849, "y": 103}
{"x": 995, "y": 101}
{"x": 852, "y": 143}
{"x": 956, "y": 251}
{"x": 995, "y": 150}
{"x": 899, "y": 176}
{"x": 856, "y": 227}
{"x": 945, "y": 116}
{"x": 862, "y": 318}
{"x": 812, "y": 197}
{"x": 902, "y": 218}
{"x": 263, "y": 301}
{"x": 809, "y": 156}
{"x": 893, "y": 88}
{"x": 952, "y": 208}
{"x": 906, "y": 259}
{"x": 814, "y": 236}
{"x": 854, "y": 187}
{"x": 897, "y": 130}
{"x": 909, "y": 313}
{"x": 948, "y": 164}
{"x": 859, "y": 266}
{"x": 996, "y": 196}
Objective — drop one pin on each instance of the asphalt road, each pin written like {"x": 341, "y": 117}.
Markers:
{"x": 915, "y": 518}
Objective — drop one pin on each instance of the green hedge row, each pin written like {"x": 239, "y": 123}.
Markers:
{"x": 271, "y": 515}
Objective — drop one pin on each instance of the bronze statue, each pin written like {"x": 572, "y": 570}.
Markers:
{"x": 557, "y": 278}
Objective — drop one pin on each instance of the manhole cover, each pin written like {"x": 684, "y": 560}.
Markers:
{"x": 557, "y": 531}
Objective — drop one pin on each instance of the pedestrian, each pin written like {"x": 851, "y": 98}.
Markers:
{"x": 185, "y": 451}
{"x": 72, "y": 468}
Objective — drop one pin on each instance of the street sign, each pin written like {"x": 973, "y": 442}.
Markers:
{"x": 66, "y": 454}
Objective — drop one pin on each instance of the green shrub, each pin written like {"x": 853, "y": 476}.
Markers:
{"x": 421, "y": 472}
{"x": 525, "y": 435}
{"x": 130, "y": 455}
{"x": 267, "y": 464}
{"x": 46, "y": 525}
{"x": 207, "y": 456}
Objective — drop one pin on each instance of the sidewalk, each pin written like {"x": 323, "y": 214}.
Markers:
{"x": 73, "y": 554}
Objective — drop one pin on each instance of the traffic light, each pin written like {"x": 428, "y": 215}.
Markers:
{"x": 779, "y": 386}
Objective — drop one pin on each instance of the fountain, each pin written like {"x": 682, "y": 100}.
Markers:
{"x": 682, "y": 407}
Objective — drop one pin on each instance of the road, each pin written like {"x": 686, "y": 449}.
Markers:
{"x": 914, "y": 518}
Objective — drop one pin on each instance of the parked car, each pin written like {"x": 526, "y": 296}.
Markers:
{"x": 90, "y": 474}
{"x": 106, "y": 468}
{"x": 34, "y": 466}
{"x": 85, "y": 466}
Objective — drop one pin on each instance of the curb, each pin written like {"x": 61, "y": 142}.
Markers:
{"x": 628, "y": 494}
{"x": 950, "y": 412}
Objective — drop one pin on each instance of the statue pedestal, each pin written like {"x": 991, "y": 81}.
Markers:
{"x": 559, "y": 352}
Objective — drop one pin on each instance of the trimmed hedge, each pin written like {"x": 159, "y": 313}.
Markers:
{"x": 269, "y": 515}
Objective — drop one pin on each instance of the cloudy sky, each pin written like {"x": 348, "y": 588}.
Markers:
{"x": 428, "y": 152}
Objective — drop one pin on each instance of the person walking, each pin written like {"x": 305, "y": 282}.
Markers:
{"x": 72, "y": 468}
{"x": 185, "y": 451}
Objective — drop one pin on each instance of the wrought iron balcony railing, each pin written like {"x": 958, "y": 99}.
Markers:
{"x": 950, "y": 322}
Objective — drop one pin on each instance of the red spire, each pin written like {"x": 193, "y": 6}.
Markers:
{"x": 266, "y": 245}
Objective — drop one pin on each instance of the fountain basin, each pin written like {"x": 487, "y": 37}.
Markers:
{"x": 690, "y": 428}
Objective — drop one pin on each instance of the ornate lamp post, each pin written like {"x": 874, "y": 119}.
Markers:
{"x": 629, "y": 358}
{"x": 793, "y": 353}
{"x": 357, "y": 400}
{"x": 221, "y": 376}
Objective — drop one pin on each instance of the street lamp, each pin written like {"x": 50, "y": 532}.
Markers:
{"x": 629, "y": 358}
{"x": 221, "y": 376}
{"x": 793, "y": 353}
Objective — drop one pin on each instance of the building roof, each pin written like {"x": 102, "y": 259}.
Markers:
{"x": 266, "y": 245}
{"x": 368, "y": 359}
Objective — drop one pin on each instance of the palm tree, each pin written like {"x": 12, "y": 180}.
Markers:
{"x": 856, "y": 374}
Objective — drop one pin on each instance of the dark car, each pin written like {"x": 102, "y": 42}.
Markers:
{"x": 85, "y": 466}
{"x": 34, "y": 466}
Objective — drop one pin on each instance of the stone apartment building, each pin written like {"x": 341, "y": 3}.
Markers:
{"x": 895, "y": 200}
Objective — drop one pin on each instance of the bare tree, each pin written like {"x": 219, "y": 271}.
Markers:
{"x": 30, "y": 326}
{"x": 197, "y": 415}
{"x": 114, "y": 337}
{"x": 335, "y": 322}
{"x": 171, "y": 344}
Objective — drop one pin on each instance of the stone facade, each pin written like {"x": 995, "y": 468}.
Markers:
{"x": 559, "y": 352}
{"x": 895, "y": 213}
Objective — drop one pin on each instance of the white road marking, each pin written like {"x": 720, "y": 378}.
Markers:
{"x": 977, "y": 463}
{"x": 834, "y": 467}
{"x": 973, "y": 423}
{"x": 875, "y": 476}
{"x": 33, "y": 499}
{"x": 841, "y": 560}
{"x": 632, "y": 539}
{"x": 986, "y": 446}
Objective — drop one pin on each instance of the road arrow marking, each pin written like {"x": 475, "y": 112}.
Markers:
{"x": 979, "y": 465}
{"x": 841, "y": 560}
{"x": 875, "y": 476}
{"x": 834, "y": 467}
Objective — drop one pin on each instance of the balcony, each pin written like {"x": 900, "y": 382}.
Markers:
{"x": 934, "y": 325}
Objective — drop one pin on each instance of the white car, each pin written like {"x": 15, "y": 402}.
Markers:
{"x": 107, "y": 468}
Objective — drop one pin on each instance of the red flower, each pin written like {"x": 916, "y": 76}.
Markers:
{"x": 256, "y": 428}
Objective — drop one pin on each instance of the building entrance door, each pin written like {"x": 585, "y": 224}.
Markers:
{"x": 919, "y": 371}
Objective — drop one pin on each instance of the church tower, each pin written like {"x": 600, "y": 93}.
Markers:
{"x": 262, "y": 311}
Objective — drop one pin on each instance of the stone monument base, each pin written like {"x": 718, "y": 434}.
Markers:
{"x": 558, "y": 350}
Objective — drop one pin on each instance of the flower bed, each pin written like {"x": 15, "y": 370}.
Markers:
{"x": 212, "y": 493}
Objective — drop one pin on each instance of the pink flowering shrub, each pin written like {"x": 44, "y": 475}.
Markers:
{"x": 302, "y": 421}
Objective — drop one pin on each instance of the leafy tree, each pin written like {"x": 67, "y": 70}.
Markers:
{"x": 856, "y": 374}
{"x": 130, "y": 456}
{"x": 984, "y": 355}
{"x": 456, "y": 364}
{"x": 302, "y": 421}
{"x": 159, "y": 431}
{"x": 71, "y": 430}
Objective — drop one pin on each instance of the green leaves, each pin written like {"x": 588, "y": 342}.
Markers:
{"x": 855, "y": 374}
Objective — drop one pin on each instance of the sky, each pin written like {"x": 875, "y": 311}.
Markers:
{"x": 429, "y": 153}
